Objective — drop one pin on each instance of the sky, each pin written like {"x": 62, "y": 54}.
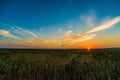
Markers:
{"x": 59, "y": 23}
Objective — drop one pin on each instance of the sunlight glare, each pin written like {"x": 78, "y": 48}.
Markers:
{"x": 88, "y": 48}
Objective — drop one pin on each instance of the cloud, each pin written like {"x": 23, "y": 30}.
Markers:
{"x": 105, "y": 25}
{"x": 68, "y": 33}
{"x": 30, "y": 37}
{"x": 88, "y": 18}
{"x": 8, "y": 34}
{"x": 26, "y": 36}
{"x": 85, "y": 37}
{"x": 78, "y": 39}
{"x": 59, "y": 29}
{"x": 26, "y": 32}
{"x": 70, "y": 38}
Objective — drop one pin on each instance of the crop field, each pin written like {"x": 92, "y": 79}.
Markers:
{"x": 60, "y": 64}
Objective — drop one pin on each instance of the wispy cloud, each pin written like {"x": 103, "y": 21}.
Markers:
{"x": 70, "y": 38}
{"x": 89, "y": 18}
{"x": 78, "y": 39}
{"x": 8, "y": 34}
{"x": 24, "y": 32}
{"x": 27, "y": 36}
{"x": 67, "y": 33}
{"x": 105, "y": 25}
{"x": 59, "y": 29}
{"x": 20, "y": 31}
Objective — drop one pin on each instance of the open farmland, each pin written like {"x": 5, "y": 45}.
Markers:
{"x": 60, "y": 64}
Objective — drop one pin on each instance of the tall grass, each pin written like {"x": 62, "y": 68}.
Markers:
{"x": 60, "y": 64}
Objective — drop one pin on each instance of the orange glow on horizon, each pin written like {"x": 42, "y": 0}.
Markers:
{"x": 88, "y": 48}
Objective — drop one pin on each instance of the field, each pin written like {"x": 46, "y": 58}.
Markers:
{"x": 60, "y": 64}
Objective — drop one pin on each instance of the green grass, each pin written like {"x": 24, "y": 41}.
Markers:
{"x": 35, "y": 64}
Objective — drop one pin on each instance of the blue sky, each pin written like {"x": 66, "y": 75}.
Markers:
{"x": 37, "y": 13}
{"x": 46, "y": 18}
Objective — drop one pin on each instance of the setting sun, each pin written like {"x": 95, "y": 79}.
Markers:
{"x": 88, "y": 48}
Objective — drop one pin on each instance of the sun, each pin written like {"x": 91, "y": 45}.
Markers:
{"x": 88, "y": 48}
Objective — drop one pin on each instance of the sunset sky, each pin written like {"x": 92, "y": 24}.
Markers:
{"x": 59, "y": 23}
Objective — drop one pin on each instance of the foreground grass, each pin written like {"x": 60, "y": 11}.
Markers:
{"x": 26, "y": 64}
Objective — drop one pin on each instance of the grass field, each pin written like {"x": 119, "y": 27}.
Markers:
{"x": 60, "y": 64}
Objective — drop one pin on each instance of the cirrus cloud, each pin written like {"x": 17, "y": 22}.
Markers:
{"x": 105, "y": 25}
{"x": 83, "y": 36}
{"x": 8, "y": 34}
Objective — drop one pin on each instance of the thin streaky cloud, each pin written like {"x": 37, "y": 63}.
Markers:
{"x": 83, "y": 38}
{"x": 25, "y": 35}
{"x": 27, "y": 32}
{"x": 67, "y": 33}
{"x": 79, "y": 39}
{"x": 70, "y": 38}
{"x": 8, "y": 34}
{"x": 105, "y": 25}
{"x": 20, "y": 30}
{"x": 29, "y": 35}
